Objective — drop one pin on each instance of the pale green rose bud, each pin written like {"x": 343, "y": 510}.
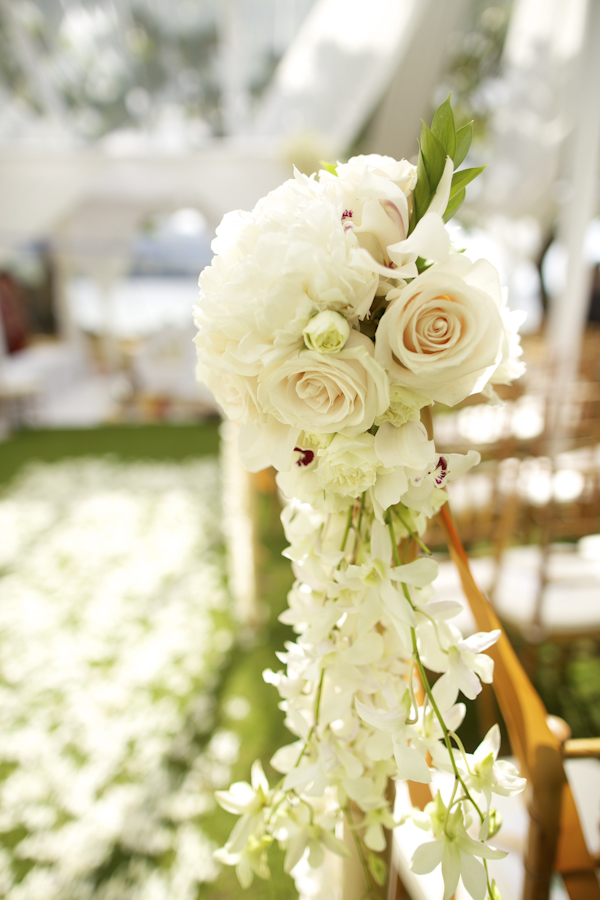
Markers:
{"x": 327, "y": 332}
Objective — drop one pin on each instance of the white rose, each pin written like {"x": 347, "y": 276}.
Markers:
{"x": 235, "y": 395}
{"x": 327, "y": 332}
{"x": 349, "y": 466}
{"x": 327, "y": 392}
{"x": 511, "y": 365}
{"x": 442, "y": 335}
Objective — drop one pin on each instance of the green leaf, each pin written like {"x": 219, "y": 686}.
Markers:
{"x": 453, "y": 204}
{"x": 378, "y": 869}
{"x": 464, "y": 136}
{"x": 329, "y": 167}
{"x": 442, "y": 126}
{"x": 461, "y": 179}
{"x": 434, "y": 156}
{"x": 422, "y": 194}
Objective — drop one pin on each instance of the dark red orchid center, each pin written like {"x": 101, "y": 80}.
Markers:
{"x": 306, "y": 456}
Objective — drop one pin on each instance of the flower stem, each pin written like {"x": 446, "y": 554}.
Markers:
{"x": 414, "y": 536}
{"x": 440, "y": 718}
{"x": 361, "y": 853}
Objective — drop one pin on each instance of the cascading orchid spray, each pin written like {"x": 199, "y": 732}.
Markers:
{"x": 330, "y": 317}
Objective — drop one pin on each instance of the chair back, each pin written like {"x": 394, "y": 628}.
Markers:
{"x": 556, "y": 842}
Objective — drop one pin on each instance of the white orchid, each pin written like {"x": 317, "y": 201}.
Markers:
{"x": 248, "y": 801}
{"x": 332, "y": 314}
{"x": 455, "y": 850}
{"x": 485, "y": 773}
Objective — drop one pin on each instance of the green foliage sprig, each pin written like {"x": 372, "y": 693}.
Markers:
{"x": 435, "y": 145}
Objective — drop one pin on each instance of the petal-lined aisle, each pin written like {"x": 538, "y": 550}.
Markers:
{"x": 114, "y": 623}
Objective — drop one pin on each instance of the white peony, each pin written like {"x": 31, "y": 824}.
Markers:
{"x": 327, "y": 392}
{"x": 442, "y": 335}
{"x": 274, "y": 269}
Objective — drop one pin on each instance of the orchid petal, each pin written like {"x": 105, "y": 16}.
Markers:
{"x": 450, "y": 868}
{"x": 477, "y": 643}
{"x": 445, "y": 691}
{"x": 440, "y": 199}
{"x": 473, "y": 876}
{"x": 366, "y": 649}
{"x": 418, "y": 573}
{"x": 405, "y": 446}
{"x": 427, "y": 857}
{"x": 411, "y": 765}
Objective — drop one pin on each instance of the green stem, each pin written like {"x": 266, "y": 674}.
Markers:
{"x": 347, "y": 529}
{"x": 414, "y": 536}
{"x": 440, "y": 718}
{"x": 315, "y": 718}
{"x": 361, "y": 855}
{"x": 395, "y": 550}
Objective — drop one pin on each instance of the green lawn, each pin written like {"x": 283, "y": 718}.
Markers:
{"x": 128, "y": 442}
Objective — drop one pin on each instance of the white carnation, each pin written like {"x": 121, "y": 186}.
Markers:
{"x": 349, "y": 466}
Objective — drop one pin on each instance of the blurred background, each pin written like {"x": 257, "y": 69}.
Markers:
{"x": 133, "y": 632}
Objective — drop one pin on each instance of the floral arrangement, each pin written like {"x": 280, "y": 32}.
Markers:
{"x": 331, "y": 317}
{"x": 113, "y": 622}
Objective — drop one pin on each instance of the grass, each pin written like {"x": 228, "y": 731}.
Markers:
{"x": 127, "y": 442}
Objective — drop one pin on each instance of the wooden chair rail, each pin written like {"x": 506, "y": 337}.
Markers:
{"x": 556, "y": 841}
{"x": 582, "y": 748}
